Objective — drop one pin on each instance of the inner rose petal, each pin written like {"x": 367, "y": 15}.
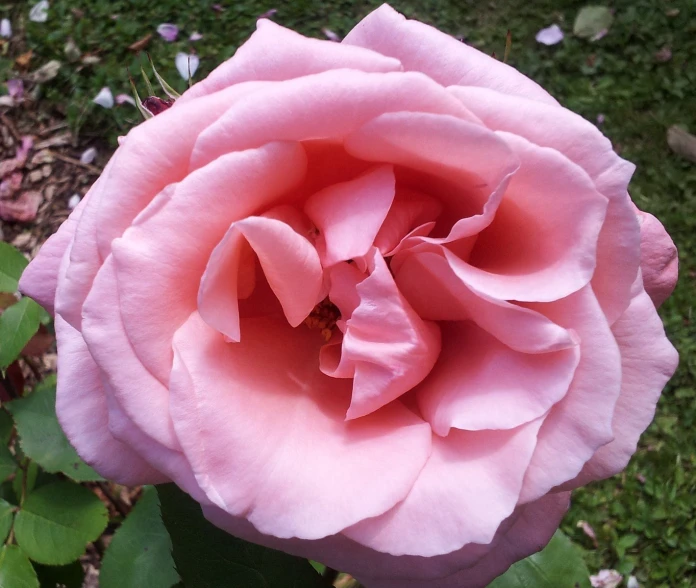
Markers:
{"x": 467, "y": 166}
{"x": 542, "y": 244}
{"x": 480, "y": 383}
{"x": 349, "y": 215}
{"x": 287, "y": 259}
{"x": 386, "y": 347}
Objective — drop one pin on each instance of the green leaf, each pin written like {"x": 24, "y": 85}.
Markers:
{"x": 592, "y": 20}
{"x": 41, "y": 437}
{"x": 70, "y": 576}
{"x": 207, "y": 557}
{"x": 56, "y": 522}
{"x": 6, "y": 514}
{"x": 15, "y": 569}
{"x": 140, "y": 552}
{"x": 18, "y": 324}
{"x": 12, "y": 264}
{"x": 8, "y": 465}
{"x": 558, "y": 565}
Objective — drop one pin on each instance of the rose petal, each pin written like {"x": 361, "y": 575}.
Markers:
{"x": 5, "y": 28}
{"x": 269, "y": 383}
{"x": 582, "y": 143}
{"x": 125, "y": 99}
{"x": 39, "y": 12}
{"x": 648, "y": 361}
{"x": 523, "y": 255}
{"x": 479, "y": 383}
{"x": 105, "y": 98}
{"x": 580, "y": 423}
{"x": 274, "y": 53}
{"x": 550, "y": 35}
{"x": 474, "y": 163}
{"x": 169, "y": 32}
{"x": 659, "y": 262}
{"x": 469, "y": 485}
{"x": 156, "y": 235}
{"x": 349, "y": 215}
{"x": 88, "y": 155}
{"x": 81, "y": 409}
{"x": 327, "y": 106}
{"x": 186, "y": 64}
{"x": 427, "y": 281}
{"x": 422, "y": 48}
{"x": 387, "y": 349}
{"x": 287, "y": 259}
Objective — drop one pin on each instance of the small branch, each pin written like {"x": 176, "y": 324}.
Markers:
{"x": 117, "y": 504}
{"x": 73, "y": 161}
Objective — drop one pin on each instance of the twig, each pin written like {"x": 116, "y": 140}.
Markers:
{"x": 9, "y": 125}
{"x": 87, "y": 166}
{"x": 119, "y": 507}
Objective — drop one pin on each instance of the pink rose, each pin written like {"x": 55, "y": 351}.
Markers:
{"x": 381, "y": 303}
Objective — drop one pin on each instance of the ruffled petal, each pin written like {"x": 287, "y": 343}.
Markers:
{"x": 580, "y": 423}
{"x": 468, "y": 487}
{"x": 387, "y": 349}
{"x": 659, "y": 262}
{"x": 420, "y": 47}
{"x": 479, "y": 383}
{"x": 326, "y": 106}
{"x": 527, "y": 256}
{"x": 225, "y": 397}
{"x": 166, "y": 251}
{"x": 81, "y": 406}
{"x": 648, "y": 361}
{"x": 275, "y": 53}
{"x": 582, "y": 143}
{"x": 349, "y": 215}
{"x": 427, "y": 281}
{"x": 290, "y": 264}
{"x": 466, "y": 163}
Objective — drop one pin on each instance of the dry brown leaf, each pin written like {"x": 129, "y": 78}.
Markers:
{"x": 23, "y": 60}
{"x": 141, "y": 43}
{"x": 682, "y": 143}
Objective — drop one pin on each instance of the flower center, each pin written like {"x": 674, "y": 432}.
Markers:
{"x": 323, "y": 317}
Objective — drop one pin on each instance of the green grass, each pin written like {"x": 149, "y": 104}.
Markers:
{"x": 648, "y": 529}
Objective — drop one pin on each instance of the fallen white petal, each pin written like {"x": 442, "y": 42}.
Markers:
{"x": 168, "y": 31}
{"x": 105, "y": 98}
{"x": 632, "y": 582}
{"x": 331, "y": 36}
{"x": 89, "y": 155}
{"x": 606, "y": 579}
{"x": 186, "y": 64}
{"x": 39, "y": 13}
{"x": 125, "y": 99}
{"x": 15, "y": 88}
{"x": 195, "y": 37}
{"x": 550, "y": 35}
{"x": 74, "y": 201}
{"x": 5, "y": 28}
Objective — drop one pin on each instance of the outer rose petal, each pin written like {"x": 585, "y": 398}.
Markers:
{"x": 155, "y": 154}
{"x": 227, "y": 396}
{"x": 582, "y": 143}
{"x": 580, "y": 423}
{"x": 659, "y": 262}
{"x": 531, "y": 531}
{"x": 326, "y": 106}
{"x": 275, "y": 53}
{"x": 40, "y": 279}
{"x": 82, "y": 412}
{"x": 420, "y": 47}
{"x": 648, "y": 361}
{"x": 470, "y": 484}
